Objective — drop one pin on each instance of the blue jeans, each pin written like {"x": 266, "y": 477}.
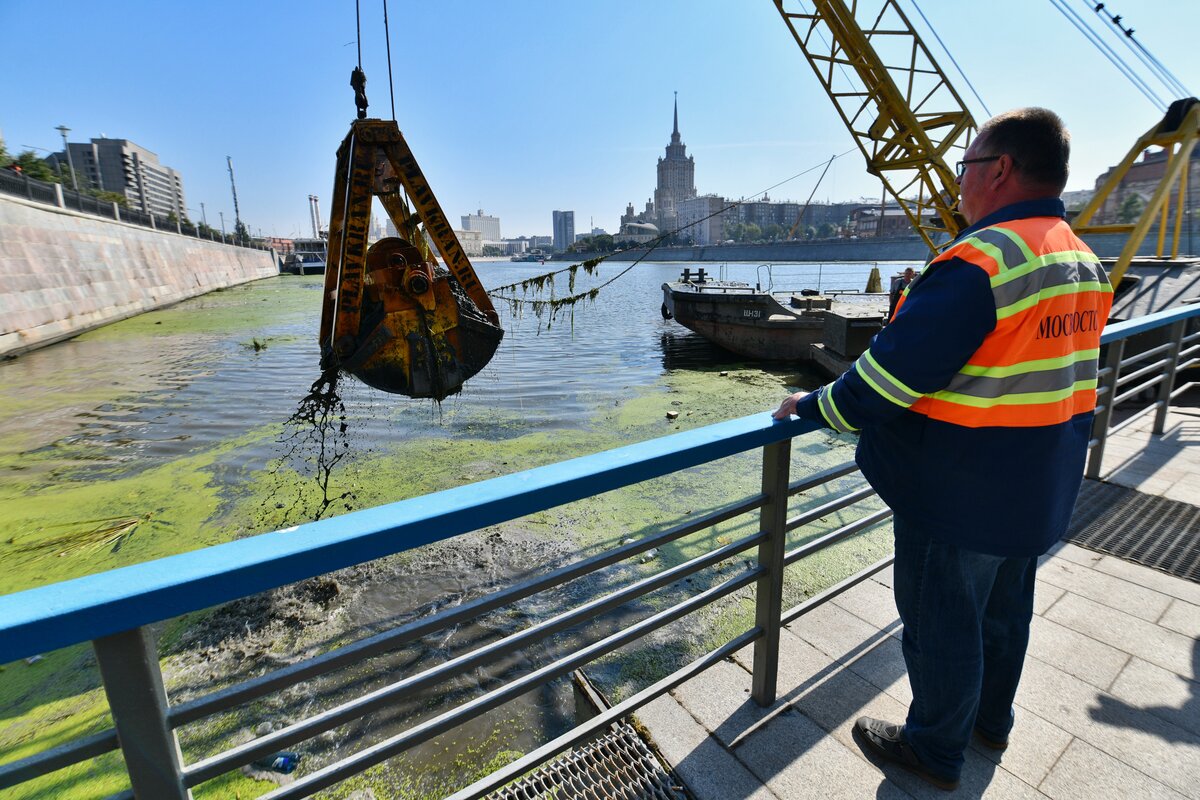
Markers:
{"x": 966, "y": 626}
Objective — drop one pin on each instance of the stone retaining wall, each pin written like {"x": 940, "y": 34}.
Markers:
{"x": 63, "y": 273}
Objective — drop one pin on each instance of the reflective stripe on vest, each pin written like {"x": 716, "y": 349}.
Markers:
{"x": 1039, "y": 364}
{"x": 830, "y": 412}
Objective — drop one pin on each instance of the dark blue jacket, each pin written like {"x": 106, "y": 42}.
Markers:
{"x": 998, "y": 490}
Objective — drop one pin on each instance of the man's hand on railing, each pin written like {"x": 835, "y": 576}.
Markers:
{"x": 788, "y": 406}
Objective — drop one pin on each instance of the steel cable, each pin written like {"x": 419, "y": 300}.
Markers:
{"x": 1109, "y": 53}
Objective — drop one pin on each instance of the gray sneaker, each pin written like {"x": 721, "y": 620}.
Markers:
{"x": 887, "y": 741}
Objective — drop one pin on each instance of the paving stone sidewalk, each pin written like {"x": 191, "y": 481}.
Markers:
{"x": 1109, "y": 705}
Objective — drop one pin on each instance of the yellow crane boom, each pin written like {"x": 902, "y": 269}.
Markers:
{"x": 1177, "y": 134}
{"x": 905, "y": 116}
{"x": 911, "y": 124}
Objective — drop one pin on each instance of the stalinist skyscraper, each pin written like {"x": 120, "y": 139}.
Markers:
{"x": 676, "y": 179}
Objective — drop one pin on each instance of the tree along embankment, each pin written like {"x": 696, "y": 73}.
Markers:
{"x": 64, "y": 273}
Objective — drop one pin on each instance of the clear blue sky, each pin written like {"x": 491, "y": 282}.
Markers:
{"x": 525, "y": 106}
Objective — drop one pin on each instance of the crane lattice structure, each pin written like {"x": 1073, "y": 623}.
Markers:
{"x": 904, "y": 114}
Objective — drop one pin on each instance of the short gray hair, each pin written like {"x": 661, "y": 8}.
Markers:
{"x": 1036, "y": 139}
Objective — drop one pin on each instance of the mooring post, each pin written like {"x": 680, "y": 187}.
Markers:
{"x": 58, "y": 196}
{"x": 1106, "y": 394}
{"x": 134, "y": 686}
{"x": 769, "y": 589}
{"x": 1175, "y": 336}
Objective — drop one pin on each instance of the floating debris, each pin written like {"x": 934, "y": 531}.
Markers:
{"x": 93, "y": 535}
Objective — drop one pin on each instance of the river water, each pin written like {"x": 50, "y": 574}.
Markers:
{"x": 170, "y": 428}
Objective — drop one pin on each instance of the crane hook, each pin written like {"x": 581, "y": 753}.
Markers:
{"x": 358, "y": 80}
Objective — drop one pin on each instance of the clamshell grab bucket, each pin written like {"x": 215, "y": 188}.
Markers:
{"x": 391, "y": 316}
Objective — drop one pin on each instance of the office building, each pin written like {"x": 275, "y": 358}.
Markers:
{"x": 564, "y": 230}
{"x": 487, "y": 225}
{"x": 119, "y": 165}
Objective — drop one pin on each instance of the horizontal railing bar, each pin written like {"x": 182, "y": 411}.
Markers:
{"x": 825, "y": 476}
{"x": 388, "y": 640}
{"x": 605, "y": 718}
{"x": 1136, "y": 390}
{"x": 1185, "y": 387}
{"x": 1132, "y": 376}
{"x": 1123, "y": 330}
{"x": 393, "y": 693}
{"x": 1142, "y": 355}
{"x": 833, "y": 537}
{"x": 1132, "y": 418}
{"x": 50, "y": 617}
{"x": 1191, "y": 362}
{"x": 850, "y": 499}
{"x": 364, "y": 759}
{"x": 797, "y": 611}
{"x": 47, "y": 761}
{"x": 1103, "y": 372}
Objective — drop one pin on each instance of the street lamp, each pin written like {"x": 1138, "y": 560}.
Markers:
{"x": 64, "y": 130}
{"x": 203, "y": 216}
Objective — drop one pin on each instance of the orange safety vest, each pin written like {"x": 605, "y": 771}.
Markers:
{"x": 1039, "y": 364}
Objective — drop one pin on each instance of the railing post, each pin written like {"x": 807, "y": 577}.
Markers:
{"x": 1175, "y": 335}
{"x": 58, "y": 196}
{"x": 116, "y": 212}
{"x": 1106, "y": 393}
{"x": 769, "y": 589}
{"x": 132, "y": 680}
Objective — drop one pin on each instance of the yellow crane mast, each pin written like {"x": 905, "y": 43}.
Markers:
{"x": 911, "y": 124}
{"x": 1177, "y": 134}
{"x": 905, "y": 116}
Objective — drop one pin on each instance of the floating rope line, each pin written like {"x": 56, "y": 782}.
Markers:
{"x": 556, "y": 304}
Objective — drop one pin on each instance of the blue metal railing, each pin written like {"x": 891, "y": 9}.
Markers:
{"x": 82, "y": 609}
{"x": 113, "y": 609}
{"x": 1148, "y": 365}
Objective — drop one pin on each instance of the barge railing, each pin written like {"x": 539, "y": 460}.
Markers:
{"x": 115, "y": 610}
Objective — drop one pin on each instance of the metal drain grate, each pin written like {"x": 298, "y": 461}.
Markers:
{"x": 1154, "y": 531}
{"x": 618, "y": 766}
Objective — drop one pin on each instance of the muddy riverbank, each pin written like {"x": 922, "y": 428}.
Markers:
{"x": 172, "y": 422}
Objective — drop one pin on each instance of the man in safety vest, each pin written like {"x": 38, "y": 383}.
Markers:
{"x": 975, "y": 405}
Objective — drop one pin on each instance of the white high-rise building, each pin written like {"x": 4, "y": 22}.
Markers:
{"x": 487, "y": 225}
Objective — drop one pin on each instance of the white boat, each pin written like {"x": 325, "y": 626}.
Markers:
{"x": 307, "y": 257}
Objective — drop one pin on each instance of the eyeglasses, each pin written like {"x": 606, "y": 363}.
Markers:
{"x": 961, "y": 166}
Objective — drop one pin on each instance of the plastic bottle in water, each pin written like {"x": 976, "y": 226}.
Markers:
{"x": 284, "y": 761}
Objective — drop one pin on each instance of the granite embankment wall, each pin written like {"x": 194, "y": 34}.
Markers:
{"x": 63, "y": 273}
